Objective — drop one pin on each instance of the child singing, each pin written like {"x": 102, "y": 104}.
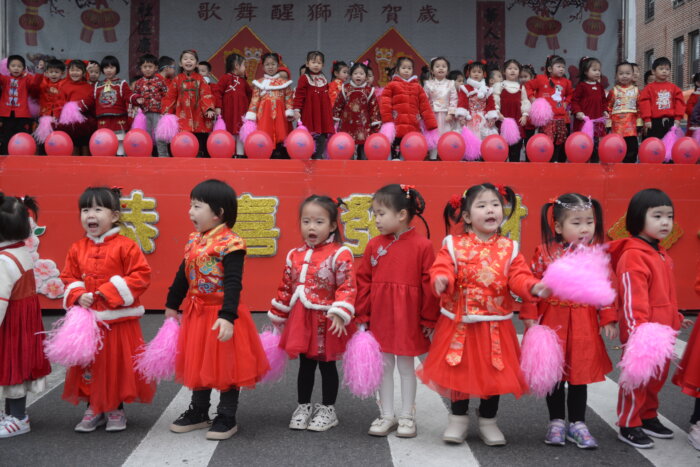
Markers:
{"x": 442, "y": 96}
{"x": 622, "y": 108}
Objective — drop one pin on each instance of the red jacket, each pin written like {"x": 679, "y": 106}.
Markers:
{"x": 402, "y": 102}
{"x": 20, "y": 104}
{"x": 545, "y": 86}
{"x": 589, "y": 99}
{"x": 690, "y": 105}
{"x": 48, "y": 95}
{"x": 189, "y": 97}
{"x": 75, "y": 91}
{"x": 661, "y": 100}
{"x": 467, "y": 95}
{"x": 110, "y": 98}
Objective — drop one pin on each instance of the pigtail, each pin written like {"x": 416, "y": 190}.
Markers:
{"x": 510, "y": 198}
{"x": 599, "y": 235}
{"x": 452, "y": 212}
{"x": 418, "y": 206}
{"x": 548, "y": 235}
{"x": 31, "y": 205}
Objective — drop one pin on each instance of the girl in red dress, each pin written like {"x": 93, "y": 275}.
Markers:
{"x": 210, "y": 354}
{"x": 475, "y": 350}
{"x": 340, "y": 76}
{"x": 589, "y": 100}
{"x": 23, "y": 366}
{"x": 76, "y": 88}
{"x": 233, "y": 95}
{"x": 690, "y": 105}
{"x": 475, "y": 105}
{"x": 527, "y": 73}
{"x": 510, "y": 100}
{"x": 107, "y": 273}
{"x": 315, "y": 302}
{"x": 395, "y": 300}
{"x": 575, "y": 220}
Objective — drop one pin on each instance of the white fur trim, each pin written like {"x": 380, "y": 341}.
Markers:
{"x": 69, "y": 287}
{"x": 336, "y": 119}
{"x": 462, "y": 112}
{"x": 463, "y": 88}
{"x": 491, "y": 115}
{"x": 375, "y": 123}
{"x": 101, "y": 238}
{"x": 447, "y": 241}
{"x": 251, "y": 116}
{"x": 516, "y": 250}
{"x": 264, "y": 85}
{"x": 111, "y": 315}
{"x": 339, "y": 312}
{"x": 280, "y": 306}
{"x": 120, "y": 284}
{"x": 346, "y": 305}
{"x": 337, "y": 253}
{"x": 467, "y": 318}
{"x": 301, "y": 294}
{"x": 275, "y": 319}
{"x": 290, "y": 112}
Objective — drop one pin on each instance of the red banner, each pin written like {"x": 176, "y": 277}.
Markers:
{"x": 384, "y": 53}
{"x": 145, "y": 32}
{"x": 491, "y": 32}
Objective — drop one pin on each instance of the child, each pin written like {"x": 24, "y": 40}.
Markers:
{"x": 315, "y": 302}
{"x": 556, "y": 89}
{"x": 661, "y": 103}
{"x": 458, "y": 78}
{"x": 46, "y": 88}
{"x": 635, "y": 74}
{"x": 210, "y": 354}
{"x": 622, "y": 108}
{"x": 495, "y": 76}
{"x": 167, "y": 69}
{"x": 646, "y": 293}
{"x": 402, "y": 101}
{"x": 75, "y": 88}
{"x": 14, "y": 104}
{"x": 312, "y": 103}
{"x": 233, "y": 95}
{"x": 648, "y": 77}
{"x": 356, "y": 108}
{"x": 475, "y": 351}
{"x": 107, "y": 273}
{"x": 442, "y": 96}
{"x": 575, "y": 220}
{"x": 204, "y": 69}
{"x": 21, "y": 330}
{"x": 93, "y": 71}
{"x": 527, "y": 73}
{"x": 588, "y": 100}
{"x": 510, "y": 101}
{"x": 690, "y": 105}
{"x": 340, "y": 76}
{"x": 476, "y": 108}
{"x": 149, "y": 92}
{"x": 394, "y": 298}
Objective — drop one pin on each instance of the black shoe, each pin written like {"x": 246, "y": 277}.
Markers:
{"x": 653, "y": 427}
{"x": 223, "y": 427}
{"x": 194, "y": 418}
{"x": 635, "y": 436}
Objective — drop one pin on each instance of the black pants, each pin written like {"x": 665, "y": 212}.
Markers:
{"x": 9, "y": 127}
{"x": 559, "y": 154}
{"x": 16, "y": 407}
{"x": 202, "y": 139}
{"x": 575, "y": 401}
{"x": 307, "y": 375}
{"x": 228, "y": 402}
{"x": 396, "y": 148}
{"x": 696, "y": 414}
{"x": 280, "y": 152}
{"x": 659, "y": 127}
{"x": 632, "y": 149}
{"x": 595, "y": 157}
{"x": 487, "y": 409}
{"x": 320, "y": 141}
{"x": 360, "y": 153}
{"x": 514, "y": 151}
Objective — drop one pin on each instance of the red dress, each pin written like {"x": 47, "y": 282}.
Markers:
{"x": 590, "y": 99}
{"x": 312, "y": 101}
{"x": 110, "y": 101}
{"x": 357, "y": 110}
{"x": 475, "y": 350}
{"x": 114, "y": 269}
{"x": 48, "y": 94}
{"x": 510, "y": 99}
{"x": 394, "y": 294}
{"x": 317, "y": 282}
{"x": 189, "y": 97}
{"x": 404, "y": 103}
{"x": 557, "y": 92}
{"x": 270, "y": 106}
{"x": 233, "y": 95}
{"x": 475, "y": 103}
{"x": 578, "y": 327}
{"x": 77, "y": 91}
{"x": 688, "y": 374}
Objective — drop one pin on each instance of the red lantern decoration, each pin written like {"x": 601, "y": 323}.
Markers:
{"x": 104, "y": 143}
{"x": 542, "y": 25}
{"x": 221, "y": 144}
{"x": 414, "y": 147}
{"x": 578, "y": 147}
{"x": 652, "y": 151}
{"x": 91, "y": 20}
{"x": 341, "y": 146}
{"x": 612, "y": 149}
{"x": 377, "y": 147}
{"x": 108, "y": 21}
{"x": 685, "y": 151}
{"x": 184, "y": 144}
{"x": 451, "y": 147}
{"x": 494, "y": 149}
{"x": 138, "y": 143}
{"x": 258, "y": 145}
{"x": 30, "y": 21}
{"x": 539, "y": 148}
{"x": 58, "y": 143}
{"x": 21, "y": 144}
{"x": 594, "y": 25}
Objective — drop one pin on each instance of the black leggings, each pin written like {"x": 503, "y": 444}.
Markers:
{"x": 228, "y": 402}
{"x": 320, "y": 142}
{"x": 632, "y": 149}
{"x": 514, "y": 151}
{"x": 16, "y": 407}
{"x": 696, "y": 414}
{"x": 307, "y": 374}
{"x": 487, "y": 409}
{"x": 575, "y": 401}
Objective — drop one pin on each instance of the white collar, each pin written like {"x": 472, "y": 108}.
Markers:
{"x": 266, "y": 76}
{"x": 509, "y": 85}
{"x": 103, "y": 237}
{"x": 412, "y": 78}
{"x": 476, "y": 84}
{"x": 8, "y": 242}
{"x": 328, "y": 240}
{"x": 363, "y": 85}
{"x": 592, "y": 83}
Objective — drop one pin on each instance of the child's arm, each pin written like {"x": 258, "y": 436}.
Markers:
{"x": 521, "y": 280}
{"x": 644, "y": 104}
{"x": 530, "y": 310}
{"x": 167, "y": 105}
{"x": 176, "y": 292}
{"x": 490, "y": 111}
{"x": 497, "y": 90}
{"x": 338, "y": 106}
{"x": 233, "y": 284}
{"x": 218, "y": 91}
{"x": 576, "y": 98}
{"x": 363, "y": 308}
{"x": 300, "y": 96}
{"x": 72, "y": 278}
{"x": 281, "y": 305}
{"x": 678, "y": 105}
{"x": 375, "y": 117}
{"x": 453, "y": 102}
{"x": 252, "y": 113}
{"x": 288, "y": 102}
{"x": 248, "y": 89}
{"x": 463, "y": 105}
{"x": 345, "y": 290}
{"x": 34, "y": 84}
{"x": 385, "y": 102}
{"x": 442, "y": 272}
{"x": 122, "y": 291}
{"x": 430, "y": 306}
{"x": 610, "y": 101}
{"x": 633, "y": 277}
{"x": 531, "y": 89}
{"x": 9, "y": 274}
{"x": 524, "y": 105}
{"x": 128, "y": 96}
{"x": 426, "y": 111}
{"x": 206, "y": 99}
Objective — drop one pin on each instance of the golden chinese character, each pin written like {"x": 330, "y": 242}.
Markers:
{"x": 513, "y": 227}
{"x": 256, "y": 224}
{"x": 138, "y": 213}
{"x": 358, "y": 222}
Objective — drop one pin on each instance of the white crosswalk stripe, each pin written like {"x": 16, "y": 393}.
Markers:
{"x": 53, "y": 380}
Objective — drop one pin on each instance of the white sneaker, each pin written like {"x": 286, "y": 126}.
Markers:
{"x": 90, "y": 421}
{"x": 300, "y": 417}
{"x": 116, "y": 421}
{"x": 324, "y": 418}
{"x": 407, "y": 427}
{"x": 382, "y": 426}
{"x": 694, "y": 436}
{"x": 489, "y": 432}
{"x": 12, "y": 426}
{"x": 457, "y": 428}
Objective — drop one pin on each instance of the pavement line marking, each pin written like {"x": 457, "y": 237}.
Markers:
{"x": 53, "y": 380}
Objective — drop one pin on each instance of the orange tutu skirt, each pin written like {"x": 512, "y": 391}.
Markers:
{"x": 688, "y": 374}
{"x": 111, "y": 379}
{"x": 205, "y": 362}
{"x": 475, "y": 375}
{"x": 306, "y": 332}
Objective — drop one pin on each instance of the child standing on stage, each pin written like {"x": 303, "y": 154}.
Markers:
{"x": 693, "y": 121}
{"x": 14, "y": 101}
{"x": 315, "y": 302}
{"x": 442, "y": 96}
{"x": 233, "y": 95}
{"x": 661, "y": 103}
{"x": 510, "y": 101}
{"x": 527, "y": 73}
{"x": 340, "y": 76}
{"x": 395, "y": 300}
{"x": 622, "y": 108}
{"x": 588, "y": 100}
{"x": 575, "y": 220}
{"x": 167, "y": 69}
{"x": 46, "y": 87}
{"x": 107, "y": 273}
{"x": 646, "y": 293}
{"x": 476, "y": 107}
{"x": 76, "y": 88}
{"x": 475, "y": 351}
{"x": 218, "y": 347}
{"x": 24, "y": 366}
{"x": 149, "y": 92}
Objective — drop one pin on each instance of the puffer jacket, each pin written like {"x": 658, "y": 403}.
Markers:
{"x": 404, "y": 103}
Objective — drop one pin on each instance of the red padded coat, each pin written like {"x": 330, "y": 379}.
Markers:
{"x": 402, "y": 102}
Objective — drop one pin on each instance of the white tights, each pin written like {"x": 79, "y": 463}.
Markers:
{"x": 408, "y": 385}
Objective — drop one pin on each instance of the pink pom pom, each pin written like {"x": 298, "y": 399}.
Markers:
{"x": 168, "y": 126}
{"x": 588, "y": 127}
{"x": 156, "y": 360}
{"x": 71, "y": 114}
{"x": 645, "y": 355}
{"x": 541, "y": 112}
{"x": 248, "y": 127}
{"x": 432, "y": 137}
{"x": 389, "y": 130}
{"x": 362, "y": 364}
{"x": 74, "y": 339}
{"x": 43, "y": 130}
{"x": 300, "y": 126}
{"x": 669, "y": 139}
{"x": 34, "y": 107}
{"x": 276, "y": 356}
{"x": 3, "y": 67}
{"x": 696, "y": 136}
{"x": 140, "y": 122}
{"x": 472, "y": 144}
{"x": 378, "y": 92}
{"x": 542, "y": 359}
{"x": 220, "y": 123}
{"x": 510, "y": 131}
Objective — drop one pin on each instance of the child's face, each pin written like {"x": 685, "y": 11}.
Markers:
{"x": 662, "y": 73}
{"x": 16, "y": 68}
{"x": 512, "y": 72}
{"x": 557, "y": 70}
{"x": 485, "y": 215}
{"x": 476, "y": 73}
{"x": 93, "y": 70}
{"x": 387, "y": 220}
{"x": 625, "y": 75}
{"x": 203, "y": 70}
{"x": 658, "y": 223}
{"x": 202, "y": 216}
{"x": 635, "y": 74}
{"x": 459, "y": 81}
{"x": 96, "y": 220}
{"x": 316, "y": 225}
{"x": 54, "y": 74}
{"x": 75, "y": 73}
{"x": 148, "y": 69}
{"x": 188, "y": 62}
{"x": 594, "y": 73}
{"x": 168, "y": 71}
{"x": 370, "y": 77}
{"x": 239, "y": 70}
{"x": 359, "y": 76}
{"x": 109, "y": 71}
{"x": 270, "y": 65}
{"x": 578, "y": 227}
{"x": 496, "y": 77}
{"x": 525, "y": 76}
{"x": 315, "y": 65}
{"x": 440, "y": 69}
{"x": 342, "y": 74}
{"x": 406, "y": 69}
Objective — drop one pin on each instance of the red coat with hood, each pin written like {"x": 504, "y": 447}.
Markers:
{"x": 403, "y": 102}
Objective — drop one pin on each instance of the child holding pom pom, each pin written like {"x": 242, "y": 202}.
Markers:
{"x": 476, "y": 107}
{"x": 443, "y": 97}
{"x": 76, "y": 88}
{"x": 315, "y": 304}
{"x": 233, "y": 95}
{"x": 575, "y": 220}
{"x": 107, "y": 272}
{"x": 510, "y": 100}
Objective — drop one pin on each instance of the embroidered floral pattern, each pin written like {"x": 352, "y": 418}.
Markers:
{"x": 204, "y": 255}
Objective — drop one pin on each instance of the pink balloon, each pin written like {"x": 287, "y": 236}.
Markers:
{"x": 494, "y": 149}
{"x": 259, "y": 145}
{"x": 377, "y": 147}
{"x": 300, "y": 144}
{"x": 414, "y": 147}
{"x": 21, "y": 144}
{"x": 104, "y": 143}
{"x": 451, "y": 146}
{"x": 685, "y": 151}
{"x": 612, "y": 148}
{"x": 184, "y": 144}
{"x": 221, "y": 144}
{"x": 652, "y": 151}
{"x": 341, "y": 146}
{"x": 58, "y": 143}
{"x": 138, "y": 143}
{"x": 539, "y": 148}
{"x": 578, "y": 147}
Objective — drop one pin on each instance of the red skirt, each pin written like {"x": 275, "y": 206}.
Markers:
{"x": 306, "y": 332}
{"x": 688, "y": 374}
{"x": 115, "y": 123}
{"x": 111, "y": 379}
{"x": 272, "y": 120}
{"x": 22, "y": 344}
{"x": 205, "y": 362}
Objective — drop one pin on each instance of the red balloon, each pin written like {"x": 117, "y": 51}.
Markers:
{"x": 451, "y": 146}
{"x": 21, "y": 144}
{"x": 259, "y": 145}
{"x": 58, "y": 144}
{"x": 578, "y": 147}
{"x": 138, "y": 143}
{"x": 104, "y": 143}
{"x": 539, "y": 148}
{"x": 221, "y": 144}
{"x": 341, "y": 146}
{"x": 652, "y": 151}
{"x": 414, "y": 147}
{"x": 685, "y": 151}
{"x": 184, "y": 144}
{"x": 377, "y": 147}
{"x": 300, "y": 144}
{"x": 612, "y": 148}
{"x": 494, "y": 149}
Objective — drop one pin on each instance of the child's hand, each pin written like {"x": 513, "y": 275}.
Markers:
{"x": 677, "y": 123}
{"x": 427, "y": 332}
{"x": 441, "y": 283}
{"x": 297, "y": 115}
{"x": 170, "y": 313}
{"x": 338, "y": 326}
{"x": 606, "y": 114}
{"x": 647, "y": 125}
{"x": 225, "y": 329}
{"x": 541, "y": 290}
{"x": 529, "y": 323}
{"x": 610, "y": 331}
{"x": 580, "y": 115}
{"x": 210, "y": 114}
{"x": 140, "y": 101}
{"x": 490, "y": 123}
{"x": 217, "y": 110}
{"x": 86, "y": 300}
{"x": 686, "y": 323}
{"x": 449, "y": 118}
{"x": 523, "y": 120}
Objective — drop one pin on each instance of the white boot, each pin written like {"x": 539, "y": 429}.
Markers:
{"x": 457, "y": 427}
{"x": 489, "y": 432}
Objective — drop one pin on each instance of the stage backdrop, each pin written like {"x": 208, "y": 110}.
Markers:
{"x": 156, "y": 201}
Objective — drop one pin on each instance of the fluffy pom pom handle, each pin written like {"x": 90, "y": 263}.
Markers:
{"x": 44, "y": 129}
{"x": 220, "y": 123}
{"x": 541, "y": 112}
{"x": 510, "y": 131}
{"x": 34, "y": 107}
{"x": 168, "y": 126}
{"x": 140, "y": 122}
{"x": 74, "y": 339}
{"x": 472, "y": 143}
{"x": 3, "y": 67}
{"x": 156, "y": 360}
{"x": 362, "y": 364}
{"x": 276, "y": 356}
{"x": 542, "y": 359}
{"x": 669, "y": 139}
{"x": 389, "y": 130}
{"x": 70, "y": 114}
{"x": 588, "y": 127}
{"x": 646, "y": 353}
{"x": 248, "y": 127}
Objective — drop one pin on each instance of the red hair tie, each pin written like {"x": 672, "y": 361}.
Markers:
{"x": 470, "y": 62}
{"x": 407, "y": 189}
{"x": 553, "y": 200}
{"x": 483, "y": 62}
{"x": 455, "y": 202}
{"x": 502, "y": 190}
{"x": 120, "y": 188}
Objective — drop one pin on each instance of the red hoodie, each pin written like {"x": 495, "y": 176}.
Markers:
{"x": 661, "y": 100}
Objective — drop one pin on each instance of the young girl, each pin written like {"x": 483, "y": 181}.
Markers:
{"x": 356, "y": 108}
{"x": 211, "y": 353}
{"x": 646, "y": 293}
{"x": 14, "y": 101}
{"x": 107, "y": 273}
{"x": 476, "y": 107}
{"x": 150, "y": 90}
{"x": 403, "y": 102}
{"x": 77, "y": 89}
{"x": 442, "y": 96}
{"x": 233, "y": 95}
{"x": 24, "y": 366}
{"x": 495, "y": 77}
{"x": 510, "y": 101}
{"x": 340, "y": 76}
{"x": 556, "y": 89}
{"x": 394, "y": 298}
{"x": 622, "y": 108}
{"x": 189, "y": 97}
{"x": 527, "y": 73}
{"x": 475, "y": 351}
{"x": 588, "y": 100}
{"x": 315, "y": 302}
{"x": 458, "y": 78}
{"x": 575, "y": 220}
{"x": 690, "y": 105}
